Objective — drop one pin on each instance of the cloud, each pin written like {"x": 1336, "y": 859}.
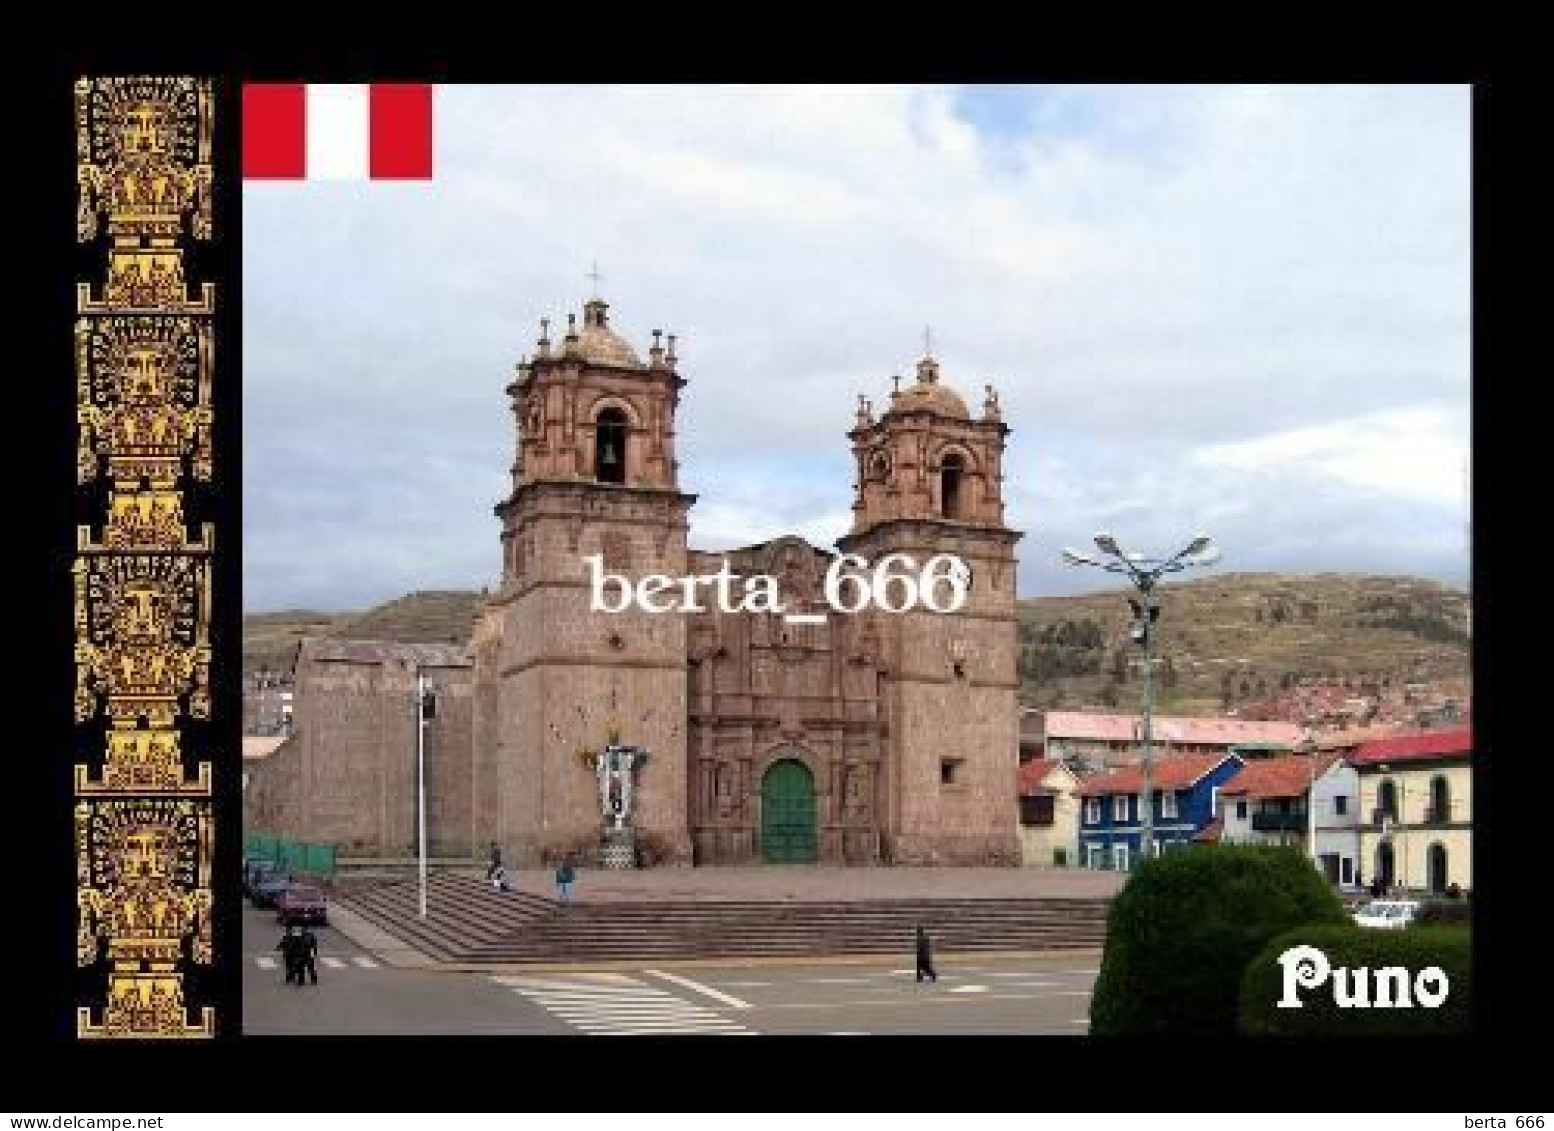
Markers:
{"x": 1416, "y": 454}
{"x": 1198, "y": 304}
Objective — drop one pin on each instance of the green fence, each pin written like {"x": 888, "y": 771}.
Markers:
{"x": 292, "y": 855}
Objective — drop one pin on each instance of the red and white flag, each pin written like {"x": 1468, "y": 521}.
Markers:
{"x": 337, "y": 131}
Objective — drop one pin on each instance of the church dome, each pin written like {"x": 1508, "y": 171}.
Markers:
{"x": 596, "y": 342}
{"x": 930, "y": 394}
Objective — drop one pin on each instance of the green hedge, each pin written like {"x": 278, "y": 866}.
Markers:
{"x": 1181, "y": 932}
{"x": 1456, "y": 911}
{"x": 1353, "y": 947}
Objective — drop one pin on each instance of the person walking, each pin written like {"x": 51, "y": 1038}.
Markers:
{"x": 307, "y": 950}
{"x": 564, "y": 877}
{"x": 925, "y": 956}
{"x": 496, "y": 861}
{"x": 289, "y": 954}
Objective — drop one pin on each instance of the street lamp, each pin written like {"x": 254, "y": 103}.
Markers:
{"x": 425, "y": 708}
{"x": 1308, "y": 746}
{"x": 1144, "y": 571}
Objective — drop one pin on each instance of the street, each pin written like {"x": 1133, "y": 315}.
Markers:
{"x": 358, "y": 994}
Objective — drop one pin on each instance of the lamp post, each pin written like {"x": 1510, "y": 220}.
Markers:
{"x": 425, "y": 708}
{"x": 1144, "y": 572}
{"x": 1308, "y": 746}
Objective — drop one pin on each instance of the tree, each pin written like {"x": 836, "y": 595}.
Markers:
{"x": 1182, "y": 931}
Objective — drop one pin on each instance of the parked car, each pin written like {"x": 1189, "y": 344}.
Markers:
{"x": 268, "y": 888}
{"x": 302, "y": 904}
{"x": 1388, "y": 914}
{"x": 256, "y": 870}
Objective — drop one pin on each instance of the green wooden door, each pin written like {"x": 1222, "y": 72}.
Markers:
{"x": 788, "y": 814}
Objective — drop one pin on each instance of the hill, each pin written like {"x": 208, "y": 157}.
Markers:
{"x": 1224, "y": 641}
{"x": 1233, "y": 639}
{"x": 430, "y": 617}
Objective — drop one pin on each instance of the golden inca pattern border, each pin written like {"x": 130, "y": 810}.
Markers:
{"x": 144, "y": 352}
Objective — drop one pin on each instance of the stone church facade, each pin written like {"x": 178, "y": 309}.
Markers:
{"x": 852, "y": 738}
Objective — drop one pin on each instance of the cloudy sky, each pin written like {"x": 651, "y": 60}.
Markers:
{"x": 1238, "y": 310}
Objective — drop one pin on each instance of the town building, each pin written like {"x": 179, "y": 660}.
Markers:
{"x": 1416, "y": 810}
{"x": 1092, "y": 741}
{"x": 847, "y": 738}
{"x": 1186, "y": 791}
{"x": 1336, "y": 814}
{"x": 1049, "y": 814}
{"x": 1267, "y": 802}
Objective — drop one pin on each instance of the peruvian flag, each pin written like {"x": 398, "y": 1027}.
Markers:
{"x": 337, "y": 131}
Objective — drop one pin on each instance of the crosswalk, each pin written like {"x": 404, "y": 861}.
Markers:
{"x": 328, "y": 961}
{"x": 619, "y": 1005}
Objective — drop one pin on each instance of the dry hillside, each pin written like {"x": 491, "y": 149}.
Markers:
{"x": 1222, "y": 640}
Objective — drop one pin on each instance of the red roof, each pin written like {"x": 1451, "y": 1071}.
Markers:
{"x": 1096, "y": 726}
{"x": 1277, "y": 777}
{"x": 1210, "y": 833}
{"x": 1407, "y": 747}
{"x": 1178, "y": 771}
{"x": 1033, "y": 771}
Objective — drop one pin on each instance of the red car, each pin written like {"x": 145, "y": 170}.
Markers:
{"x": 302, "y": 905}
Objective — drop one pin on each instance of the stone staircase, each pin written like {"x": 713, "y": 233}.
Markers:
{"x": 468, "y": 922}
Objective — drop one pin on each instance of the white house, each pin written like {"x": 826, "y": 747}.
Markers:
{"x": 1336, "y": 800}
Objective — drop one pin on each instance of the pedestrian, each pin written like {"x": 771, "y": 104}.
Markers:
{"x": 498, "y": 879}
{"x": 288, "y": 948}
{"x": 496, "y": 861}
{"x": 307, "y": 951}
{"x": 564, "y": 877}
{"x": 925, "y": 956}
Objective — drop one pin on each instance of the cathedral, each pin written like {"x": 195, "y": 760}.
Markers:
{"x": 871, "y": 737}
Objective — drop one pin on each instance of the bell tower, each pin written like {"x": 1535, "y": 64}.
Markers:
{"x": 595, "y": 474}
{"x": 929, "y": 482}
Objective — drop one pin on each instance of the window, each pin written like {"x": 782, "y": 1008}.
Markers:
{"x": 950, "y": 473}
{"x": 1346, "y": 870}
{"x": 950, "y": 771}
{"x": 1120, "y": 808}
{"x": 1060, "y": 858}
{"x": 1036, "y": 810}
{"x": 1093, "y": 857}
{"x": 1387, "y": 800}
{"x": 1240, "y": 810}
{"x": 1340, "y": 805}
{"x": 1440, "y": 801}
{"x": 610, "y": 446}
{"x": 1092, "y": 811}
{"x": 1168, "y": 803}
{"x": 1121, "y": 858}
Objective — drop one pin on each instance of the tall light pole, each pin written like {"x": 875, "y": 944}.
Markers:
{"x": 425, "y": 708}
{"x": 1144, "y": 572}
{"x": 1308, "y": 744}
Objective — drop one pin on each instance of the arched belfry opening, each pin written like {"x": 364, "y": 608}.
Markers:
{"x": 952, "y": 473}
{"x": 610, "y": 446}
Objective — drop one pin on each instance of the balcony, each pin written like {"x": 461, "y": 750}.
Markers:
{"x": 1279, "y": 822}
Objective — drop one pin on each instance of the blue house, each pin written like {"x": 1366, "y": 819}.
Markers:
{"x": 1186, "y": 791}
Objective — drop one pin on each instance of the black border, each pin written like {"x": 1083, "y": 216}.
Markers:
{"x": 1362, "y": 1074}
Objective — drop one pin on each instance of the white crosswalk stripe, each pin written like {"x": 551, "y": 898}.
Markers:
{"x": 618, "y": 1005}
{"x": 328, "y": 961}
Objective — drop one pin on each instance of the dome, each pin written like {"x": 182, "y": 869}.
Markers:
{"x": 599, "y": 344}
{"x": 930, "y": 394}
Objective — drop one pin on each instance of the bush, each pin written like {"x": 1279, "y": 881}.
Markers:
{"x": 1355, "y": 947}
{"x": 1455, "y": 912}
{"x": 1183, "y": 930}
